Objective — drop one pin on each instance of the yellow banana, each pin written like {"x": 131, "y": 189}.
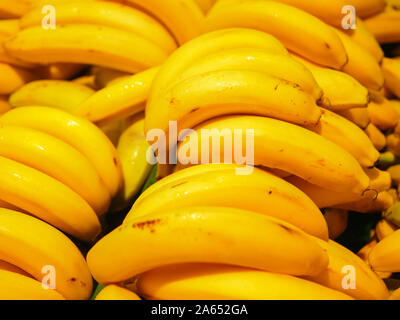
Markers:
{"x": 362, "y": 65}
{"x": 9, "y": 27}
{"x": 7, "y": 59}
{"x": 4, "y": 104}
{"x": 340, "y": 90}
{"x": 324, "y": 198}
{"x": 385, "y": 256}
{"x": 114, "y": 292}
{"x": 106, "y": 76}
{"x": 48, "y": 155}
{"x": 395, "y": 295}
{"x": 366, "y": 286}
{"x": 13, "y": 268}
{"x": 377, "y": 138}
{"x": 384, "y": 229}
{"x": 347, "y": 135}
{"x": 86, "y": 80}
{"x": 12, "y": 78}
{"x": 382, "y": 202}
{"x": 203, "y": 234}
{"x": 221, "y": 282}
{"x": 78, "y": 132}
{"x": 264, "y": 193}
{"x": 367, "y": 8}
{"x": 113, "y": 130}
{"x": 14, "y": 286}
{"x": 59, "y": 71}
{"x": 393, "y": 144}
{"x": 359, "y": 116}
{"x": 61, "y": 94}
{"x": 132, "y": 149}
{"x": 366, "y": 39}
{"x": 317, "y": 160}
{"x": 11, "y": 9}
{"x": 106, "y": 14}
{"x": 276, "y": 65}
{"x": 31, "y": 245}
{"x": 87, "y": 44}
{"x": 383, "y": 115}
{"x": 183, "y": 18}
{"x": 337, "y": 222}
{"x": 119, "y": 100}
{"x": 394, "y": 172}
{"x": 205, "y": 5}
{"x": 385, "y": 26}
{"x": 391, "y": 71}
{"x": 313, "y": 40}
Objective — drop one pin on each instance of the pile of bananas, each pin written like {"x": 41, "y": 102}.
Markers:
{"x": 82, "y": 95}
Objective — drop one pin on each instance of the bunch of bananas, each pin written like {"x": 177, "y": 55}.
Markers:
{"x": 81, "y": 101}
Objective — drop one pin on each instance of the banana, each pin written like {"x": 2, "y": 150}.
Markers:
{"x": 394, "y": 172}
{"x": 14, "y": 286}
{"x": 392, "y": 214}
{"x": 347, "y": 135}
{"x": 337, "y": 222}
{"x": 391, "y": 71}
{"x": 106, "y": 14}
{"x": 324, "y": 198}
{"x": 183, "y": 18}
{"x": 382, "y": 202}
{"x": 383, "y": 115}
{"x": 11, "y": 9}
{"x": 204, "y": 234}
{"x": 47, "y": 154}
{"x": 132, "y": 149}
{"x": 75, "y": 131}
{"x": 385, "y": 256}
{"x": 387, "y": 159}
{"x": 12, "y": 78}
{"x": 276, "y": 65}
{"x": 105, "y": 76}
{"x": 384, "y": 229}
{"x": 377, "y": 138}
{"x": 366, "y": 39}
{"x": 86, "y": 80}
{"x": 205, "y": 5}
{"x": 395, "y": 295}
{"x": 222, "y": 282}
{"x": 59, "y": 71}
{"x": 368, "y": 286}
{"x": 213, "y": 94}
{"x": 61, "y": 94}
{"x": 393, "y": 144}
{"x": 361, "y": 65}
{"x": 313, "y": 40}
{"x": 264, "y": 193}
{"x": 359, "y": 116}
{"x": 385, "y": 26}
{"x": 317, "y": 160}
{"x": 113, "y": 130}
{"x": 367, "y": 8}
{"x": 86, "y": 44}
{"x": 119, "y": 100}
{"x": 7, "y": 59}
{"x": 340, "y": 90}
{"x": 395, "y": 4}
{"x": 12, "y": 268}
{"x": 4, "y": 104}
{"x": 9, "y": 27}
{"x": 31, "y": 244}
{"x": 115, "y": 292}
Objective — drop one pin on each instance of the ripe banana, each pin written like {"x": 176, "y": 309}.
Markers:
{"x": 14, "y": 286}
{"x": 367, "y": 8}
{"x": 86, "y": 80}
{"x": 367, "y": 286}
{"x": 394, "y": 172}
{"x": 31, "y": 244}
{"x": 385, "y": 256}
{"x": 47, "y": 154}
{"x": 392, "y": 214}
{"x": 119, "y": 100}
{"x": 107, "y": 14}
{"x": 7, "y": 59}
{"x": 9, "y": 27}
{"x": 59, "y": 71}
{"x": 384, "y": 229}
{"x": 395, "y": 295}
{"x": 313, "y": 40}
{"x": 205, "y": 5}
{"x": 340, "y": 90}
{"x": 318, "y": 160}
{"x": 13, "y": 268}
{"x": 75, "y": 131}
{"x": 132, "y": 149}
{"x": 366, "y": 39}
{"x": 61, "y": 94}
{"x": 382, "y": 202}
{"x": 391, "y": 71}
{"x": 253, "y": 59}
{"x": 362, "y": 65}
{"x": 393, "y": 144}
{"x": 385, "y": 26}
{"x": 347, "y": 135}
{"x": 222, "y": 282}
{"x": 12, "y": 78}
{"x": 359, "y": 116}
{"x": 264, "y": 193}
{"x": 383, "y": 115}
{"x": 4, "y": 104}
{"x": 115, "y": 292}
{"x": 85, "y": 43}
{"x": 11, "y": 9}
{"x": 205, "y": 234}
{"x": 377, "y": 138}
{"x": 337, "y": 220}
{"x": 105, "y": 76}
